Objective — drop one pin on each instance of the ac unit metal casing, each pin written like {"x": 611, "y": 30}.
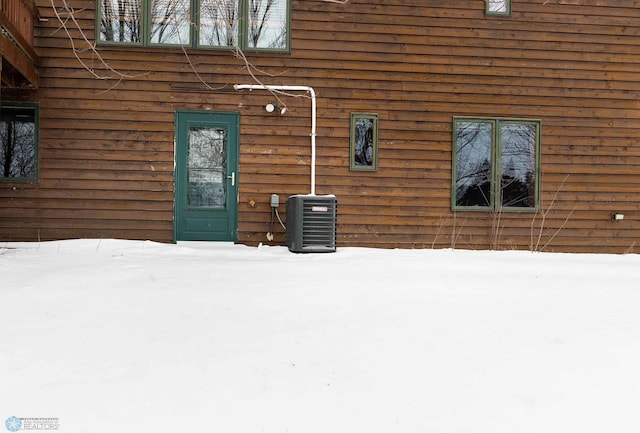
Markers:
{"x": 311, "y": 223}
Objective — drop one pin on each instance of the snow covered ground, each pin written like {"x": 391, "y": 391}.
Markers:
{"x": 128, "y": 336}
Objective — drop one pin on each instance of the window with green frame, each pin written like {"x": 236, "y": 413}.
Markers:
{"x": 496, "y": 164}
{"x": 498, "y": 7}
{"x": 18, "y": 142}
{"x": 247, "y": 24}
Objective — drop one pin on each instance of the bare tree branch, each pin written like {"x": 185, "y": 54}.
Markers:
{"x": 69, "y": 15}
{"x": 65, "y": 15}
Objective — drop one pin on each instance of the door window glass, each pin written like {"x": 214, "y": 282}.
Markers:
{"x": 206, "y": 168}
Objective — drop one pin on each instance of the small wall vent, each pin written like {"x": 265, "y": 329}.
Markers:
{"x": 311, "y": 223}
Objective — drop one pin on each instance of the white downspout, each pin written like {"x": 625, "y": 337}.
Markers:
{"x": 313, "y": 118}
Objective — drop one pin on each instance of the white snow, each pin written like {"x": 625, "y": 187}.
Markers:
{"x": 129, "y": 336}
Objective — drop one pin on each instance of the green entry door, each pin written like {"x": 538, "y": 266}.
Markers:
{"x": 206, "y": 202}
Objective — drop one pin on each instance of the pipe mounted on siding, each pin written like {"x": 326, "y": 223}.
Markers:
{"x": 313, "y": 117}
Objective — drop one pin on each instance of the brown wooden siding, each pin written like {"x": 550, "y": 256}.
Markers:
{"x": 106, "y": 146}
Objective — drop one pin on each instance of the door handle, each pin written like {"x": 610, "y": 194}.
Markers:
{"x": 233, "y": 178}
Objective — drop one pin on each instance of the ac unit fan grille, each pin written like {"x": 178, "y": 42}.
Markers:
{"x": 318, "y": 222}
{"x": 311, "y": 223}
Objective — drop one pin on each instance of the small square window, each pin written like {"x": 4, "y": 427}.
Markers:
{"x": 18, "y": 143}
{"x": 498, "y": 7}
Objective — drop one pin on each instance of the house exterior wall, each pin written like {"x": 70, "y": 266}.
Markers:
{"x": 106, "y": 151}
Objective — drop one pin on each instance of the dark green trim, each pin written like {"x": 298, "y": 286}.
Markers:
{"x": 496, "y": 164}
{"x": 36, "y": 117}
{"x": 145, "y": 30}
{"x": 487, "y": 10}
{"x": 98, "y": 28}
{"x": 183, "y": 120}
{"x": 244, "y": 32}
{"x": 373, "y": 117}
{"x": 195, "y": 33}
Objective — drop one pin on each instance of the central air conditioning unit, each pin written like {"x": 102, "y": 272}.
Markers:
{"x": 311, "y": 223}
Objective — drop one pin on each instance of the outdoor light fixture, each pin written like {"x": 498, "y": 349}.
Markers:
{"x": 312, "y": 94}
{"x": 271, "y": 107}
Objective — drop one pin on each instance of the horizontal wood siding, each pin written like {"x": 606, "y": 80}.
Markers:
{"x": 106, "y": 145}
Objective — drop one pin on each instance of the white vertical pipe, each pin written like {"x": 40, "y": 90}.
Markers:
{"x": 313, "y": 140}
{"x": 313, "y": 118}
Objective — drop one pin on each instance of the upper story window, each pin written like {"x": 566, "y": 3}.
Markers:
{"x": 247, "y": 24}
{"x": 498, "y": 7}
{"x": 18, "y": 142}
{"x": 496, "y": 164}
